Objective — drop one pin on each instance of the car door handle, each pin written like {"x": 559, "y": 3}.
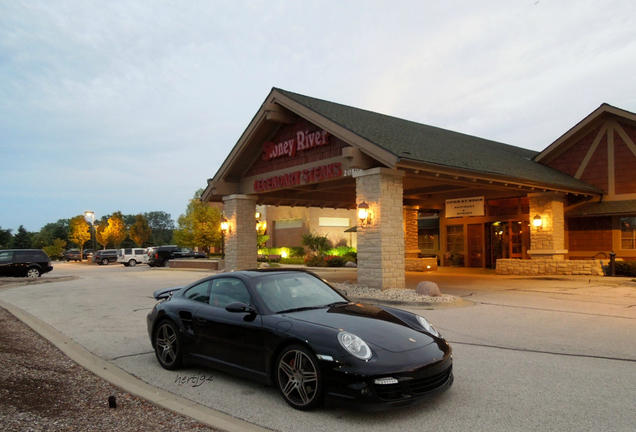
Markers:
{"x": 201, "y": 320}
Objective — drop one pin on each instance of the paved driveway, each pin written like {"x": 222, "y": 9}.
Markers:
{"x": 530, "y": 354}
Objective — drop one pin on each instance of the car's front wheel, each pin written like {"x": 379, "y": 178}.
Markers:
{"x": 166, "y": 263}
{"x": 168, "y": 345}
{"x": 105, "y": 261}
{"x": 33, "y": 273}
{"x": 298, "y": 378}
{"x": 132, "y": 263}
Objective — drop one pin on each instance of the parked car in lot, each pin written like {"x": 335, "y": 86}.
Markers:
{"x": 24, "y": 262}
{"x": 73, "y": 255}
{"x": 130, "y": 257}
{"x": 160, "y": 256}
{"x": 103, "y": 257}
{"x": 291, "y": 329}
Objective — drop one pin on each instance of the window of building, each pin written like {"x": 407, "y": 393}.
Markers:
{"x": 427, "y": 239}
{"x": 288, "y": 223}
{"x": 333, "y": 222}
{"x": 628, "y": 233}
{"x": 455, "y": 238}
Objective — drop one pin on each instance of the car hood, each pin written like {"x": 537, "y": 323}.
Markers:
{"x": 373, "y": 324}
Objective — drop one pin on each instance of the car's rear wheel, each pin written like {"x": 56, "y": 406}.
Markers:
{"x": 168, "y": 345}
{"x": 132, "y": 263}
{"x": 105, "y": 261}
{"x": 33, "y": 273}
{"x": 298, "y": 378}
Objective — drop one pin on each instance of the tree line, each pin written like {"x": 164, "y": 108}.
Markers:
{"x": 198, "y": 227}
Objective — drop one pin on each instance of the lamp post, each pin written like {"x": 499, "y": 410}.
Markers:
{"x": 93, "y": 236}
{"x": 225, "y": 226}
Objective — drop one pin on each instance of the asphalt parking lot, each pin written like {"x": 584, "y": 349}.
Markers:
{"x": 547, "y": 354}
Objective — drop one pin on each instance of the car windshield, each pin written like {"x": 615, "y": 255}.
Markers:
{"x": 286, "y": 292}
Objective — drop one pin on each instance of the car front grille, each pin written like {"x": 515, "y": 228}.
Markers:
{"x": 409, "y": 387}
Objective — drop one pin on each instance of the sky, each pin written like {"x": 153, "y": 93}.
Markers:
{"x": 132, "y": 105}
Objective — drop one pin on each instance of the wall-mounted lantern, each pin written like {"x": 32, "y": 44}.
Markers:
{"x": 363, "y": 214}
{"x": 225, "y": 225}
{"x": 537, "y": 221}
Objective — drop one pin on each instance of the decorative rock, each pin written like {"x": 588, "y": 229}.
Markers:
{"x": 350, "y": 264}
{"x": 428, "y": 289}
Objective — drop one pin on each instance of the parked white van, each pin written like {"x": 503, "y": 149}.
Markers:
{"x": 132, "y": 256}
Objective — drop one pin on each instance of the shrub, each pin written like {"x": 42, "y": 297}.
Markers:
{"x": 55, "y": 250}
{"x": 316, "y": 243}
{"x": 351, "y": 256}
{"x": 340, "y": 251}
{"x": 316, "y": 261}
{"x": 296, "y": 251}
{"x": 625, "y": 268}
{"x": 335, "y": 261}
{"x": 292, "y": 260}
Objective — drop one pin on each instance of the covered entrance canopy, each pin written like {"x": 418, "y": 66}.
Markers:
{"x": 302, "y": 151}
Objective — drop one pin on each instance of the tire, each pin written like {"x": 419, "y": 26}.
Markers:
{"x": 132, "y": 263}
{"x": 33, "y": 273}
{"x": 151, "y": 265}
{"x": 168, "y": 345}
{"x": 166, "y": 263}
{"x": 104, "y": 261}
{"x": 299, "y": 379}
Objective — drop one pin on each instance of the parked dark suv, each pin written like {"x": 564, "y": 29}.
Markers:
{"x": 24, "y": 262}
{"x": 103, "y": 257}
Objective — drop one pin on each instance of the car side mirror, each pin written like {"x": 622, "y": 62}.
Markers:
{"x": 240, "y": 307}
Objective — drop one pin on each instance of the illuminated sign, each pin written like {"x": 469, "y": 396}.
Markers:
{"x": 309, "y": 175}
{"x": 304, "y": 140}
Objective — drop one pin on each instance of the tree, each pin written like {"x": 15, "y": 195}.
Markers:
{"x": 101, "y": 234}
{"x": 199, "y": 226}
{"x": 117, "y": 230}
{"x": 5, "y": 238}
{"x": 50, "y": 232}
{"x": 79, "y": 232}
{"x": 22, "y": 239}
{"x": 316, "y": 243}
{"x": 54, "y": 251}
{"x": 140, "y": 231}
{"x": 162, "y": 227}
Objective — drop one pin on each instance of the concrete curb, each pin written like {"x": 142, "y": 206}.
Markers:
{"x": 426, "y": 305}
{"x": 119, "y": 378}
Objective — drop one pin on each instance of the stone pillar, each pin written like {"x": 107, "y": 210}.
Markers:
{"x": 240, "y": 240}
{"x": 548, "y": 240}
{"x": 412, "y": 249}
{"x": 381, "y": 242}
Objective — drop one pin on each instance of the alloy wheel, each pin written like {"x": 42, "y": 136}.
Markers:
{"x": 299, "y": 379}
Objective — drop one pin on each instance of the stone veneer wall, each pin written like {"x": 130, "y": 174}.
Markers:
{"x": 420, "y": 264}
{"x": 550, "y": 237}
{"x": 410, "y": 232}
{"x": 240, "y": 242}
{"x": 381, "y": 244}
{"x": 543, "y": 266}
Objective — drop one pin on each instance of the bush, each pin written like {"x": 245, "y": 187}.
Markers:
{"x": 335, "y": 261}
{"x": 351, "y": 256}
{"x": 316, "y": 243}
{"x": 625, "y": 268}
{"x": 316, "y": 261}
{"x": 341, "y": 251}
{"x": 55, "y": 250}
{"x": 292, "y": 260}
{"x": 296, "y": 251}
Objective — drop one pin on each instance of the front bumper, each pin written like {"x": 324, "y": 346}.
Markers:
{"x": 404, "y": 386}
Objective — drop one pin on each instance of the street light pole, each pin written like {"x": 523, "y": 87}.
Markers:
{"x": 94, "y": 236}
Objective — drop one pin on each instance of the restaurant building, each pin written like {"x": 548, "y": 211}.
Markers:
{"x": 413, "y": 190}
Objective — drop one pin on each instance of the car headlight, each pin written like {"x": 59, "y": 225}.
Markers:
{"x": 428, "y": 326}
{"x": 356, "y": 346}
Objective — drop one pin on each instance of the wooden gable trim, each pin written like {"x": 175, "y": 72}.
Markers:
{"x": 590, "y": 152}
{"x": 563, "y": 143}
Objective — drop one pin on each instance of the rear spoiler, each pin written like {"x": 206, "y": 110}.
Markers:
{"x": 164, "y": 293}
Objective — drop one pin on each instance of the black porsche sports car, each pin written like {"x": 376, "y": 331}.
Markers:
{"x": 291, "y": 329}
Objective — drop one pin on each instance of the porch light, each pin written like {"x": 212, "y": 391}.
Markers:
{"x": 225, "y": 224}
{"x": 258, "y": 215}
{"x": 363, "y": 214}
{"x": 537, "y": 221}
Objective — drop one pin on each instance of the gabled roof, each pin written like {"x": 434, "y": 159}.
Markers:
{"x": 562, "y": 143}
{"x": 396, "y": 143}
{"x": 410, "y": 141}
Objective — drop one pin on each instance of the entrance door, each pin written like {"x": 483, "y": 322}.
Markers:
{"x": 475, "y": 245}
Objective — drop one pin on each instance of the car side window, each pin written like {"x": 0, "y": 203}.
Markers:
{"x": 199, "y": 292}
{"x": 228, "y": 290}
{"x": 6, "y": 257}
